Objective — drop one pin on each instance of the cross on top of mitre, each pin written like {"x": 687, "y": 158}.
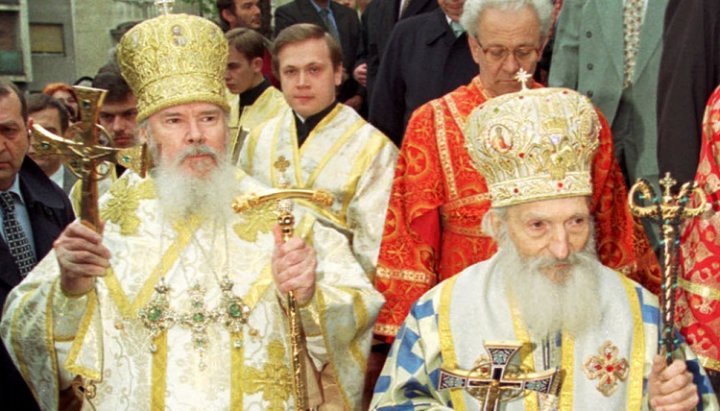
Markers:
{"x": 523, "y": 77}
{"x": 165, "y": 7}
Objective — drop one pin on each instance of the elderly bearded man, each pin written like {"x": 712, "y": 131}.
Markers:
{"x": 432, "y": 228}
{"x": 545, "y": 287}
{"x": 176, "y": 305}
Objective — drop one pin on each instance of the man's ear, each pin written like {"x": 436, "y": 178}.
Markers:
{"x": 339, "y": 75}
{"x": 29, "y": 126}
{"x": 228, "y": 16}
{"x": 474, "y": 48}
{"x": 257, "y": 64}
{"x": 495, "y": 222}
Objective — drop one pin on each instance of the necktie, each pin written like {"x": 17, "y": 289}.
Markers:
{"x": 325, "y": 16}
{"x": 403, "y": 6}
{"x": 457, "y": 28}
{"x": 17, "y": 240}
{"x": 632, "y": 22}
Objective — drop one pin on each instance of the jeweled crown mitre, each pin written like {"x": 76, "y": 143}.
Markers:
{"x": 534, "y": 145}
{"x": 174, "y": 59}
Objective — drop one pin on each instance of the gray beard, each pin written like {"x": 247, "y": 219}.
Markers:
{"x": 182, "y": 195}
{"x": 546, "y": 307}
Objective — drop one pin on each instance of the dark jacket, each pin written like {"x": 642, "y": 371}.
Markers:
{"x": 377, "y": 23}
{"x": 689, "y": 72}
{"x": 348, "y": 25}
{"x": 423, "y": 61}
{"x": 50, "y": 211}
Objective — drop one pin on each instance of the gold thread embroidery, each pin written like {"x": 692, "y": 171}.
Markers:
{"x": 708, "y": 362}
{"x": 237, "y": 359}
{"x": 405, "y": 275}
{"x": 337, "y": 146}
{"x": 386, "y": 329}
{"x": 477, "y": 199}
{"x": 124, "y": 201}
{"x": 256, "y": 220}
{"x": 526, "y": 355}
{"x": 85, "y": 323}
{"x": 129, "y": 310}
{"x": 568, "y": 366}
{"x": 159, "y": 373}
{"x": 699, "y": 289}
{"x": 447, "y": 347}
{"x": 637, "y": 359}
{"x": 443, "y": 149}
{"x": 20, "y": 356}
{"x": 273, "y": 379}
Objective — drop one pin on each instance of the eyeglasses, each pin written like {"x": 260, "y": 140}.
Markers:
{"x": 498, "y": 54}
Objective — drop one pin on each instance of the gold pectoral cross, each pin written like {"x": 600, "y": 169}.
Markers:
{"x": 496, "y": 379}
{"x": 286, "y": 221}
{"x": 81, "y": 147}
{"x": 668, "y": 211}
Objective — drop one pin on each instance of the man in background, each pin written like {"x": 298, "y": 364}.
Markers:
{"x": 33, "y": 213}
{"x": 252, "y": 98}
{"x": 54, "y": 117}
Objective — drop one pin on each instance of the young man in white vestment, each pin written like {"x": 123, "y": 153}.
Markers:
{"x": 319, "y": 143}
{"x": 178, "y": 303}
{"x": 544, "y": 289}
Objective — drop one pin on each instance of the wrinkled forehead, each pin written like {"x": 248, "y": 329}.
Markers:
{"x": 559, "y": 209}
{"x": 10, "y": 108}
{"x": 509, "y": 27}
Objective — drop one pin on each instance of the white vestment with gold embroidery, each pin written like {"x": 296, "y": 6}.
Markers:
{"x": 53, "y": 338}
{"x": 269, "y": 104}
{"x": 448, "y": 327}
{"x": 343, "y": 154}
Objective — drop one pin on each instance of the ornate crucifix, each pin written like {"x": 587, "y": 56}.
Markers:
{"x": 496, "y": 379}
{"x": 81, "y": 147}
{"x": 286, "y": 221}
{"x": 669, "y": 212}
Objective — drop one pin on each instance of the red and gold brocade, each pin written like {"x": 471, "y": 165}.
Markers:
{"x": 698, "y": 304}
{"x": 438, "y": 199}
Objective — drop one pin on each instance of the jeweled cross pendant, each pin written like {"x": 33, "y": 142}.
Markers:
{"x": 496, "y": 379}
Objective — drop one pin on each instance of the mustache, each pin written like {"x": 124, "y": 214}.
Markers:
{"x": 546, "y": 261}
{"x": 200, "y": 149}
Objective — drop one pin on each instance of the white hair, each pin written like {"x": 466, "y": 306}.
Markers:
{"x": 546, "y": 307}
{"x": 473, "y": 9}
{"x": 181, "y": 194}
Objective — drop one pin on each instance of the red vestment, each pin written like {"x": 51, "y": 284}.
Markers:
{"x": 698, "y": 304}
{"x": 438, "y": 199}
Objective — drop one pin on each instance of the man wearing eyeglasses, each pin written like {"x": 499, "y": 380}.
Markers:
{"x": 438, "y": 200}
{"x": 426, "y": 56}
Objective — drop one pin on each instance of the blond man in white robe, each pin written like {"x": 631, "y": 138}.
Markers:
{"x": 320, "y": 143}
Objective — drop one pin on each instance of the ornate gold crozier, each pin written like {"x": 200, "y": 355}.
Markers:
{"x": 668, "y": 211}
{"x": 89, "y": 160}
{"x": 286, "y": 221}
{"x": 496, "y": 379}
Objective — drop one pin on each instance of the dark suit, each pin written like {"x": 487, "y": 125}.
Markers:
{"x": 377, "y": 23}
{"x": 49, "y": 211}
{"x": 423, "y": 60}
{"x": 348, "y": 25}
{"x": 689, "y": 72}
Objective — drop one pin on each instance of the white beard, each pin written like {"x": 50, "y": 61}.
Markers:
{"x": 572, "y": 306}
{"x": 182, "y": 195}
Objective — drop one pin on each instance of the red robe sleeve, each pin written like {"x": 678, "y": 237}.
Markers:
{"x": 621, "y": 240}
{"x": 698, "y": 299}
{"x": 406, "y": 265}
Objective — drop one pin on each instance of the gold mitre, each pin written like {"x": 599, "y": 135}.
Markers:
{"x": 534, "y": 145}
{"x": 174, "y": 59}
